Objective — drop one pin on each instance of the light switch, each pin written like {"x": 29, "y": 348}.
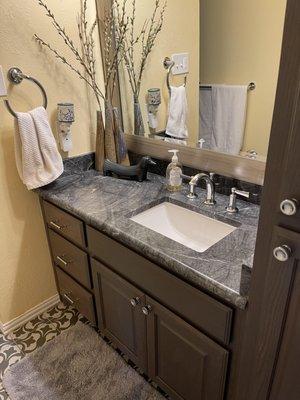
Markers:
{"x": 181, "y": 63}
{"x": 3, "y": 91}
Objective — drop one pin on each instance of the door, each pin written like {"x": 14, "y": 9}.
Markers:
{"x": 120, "y": 316}
{"x": 286, "y": 383}
{"x": 183, "y": 361}
{"x": 270, "y": 350}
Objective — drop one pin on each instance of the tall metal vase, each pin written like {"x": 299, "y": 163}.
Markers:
{"x": 139, "y": 128}
{"x": 110, "y": 142}
{"x": 100, "y": 137}
{"x": 121, "y": 148}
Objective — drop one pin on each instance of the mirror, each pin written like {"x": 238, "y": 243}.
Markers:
{"x": 223, "y": 57}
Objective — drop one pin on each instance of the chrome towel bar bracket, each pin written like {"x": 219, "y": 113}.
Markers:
{"x": 169, "y": 64}
{"x": 16, "y": 76}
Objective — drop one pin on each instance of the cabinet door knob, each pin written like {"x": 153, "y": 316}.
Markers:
{"x": 289, "y": 207}
{"x": 282, "y": 253}
{"x": 147, "y": 309}
{"x": 134, "y": 301}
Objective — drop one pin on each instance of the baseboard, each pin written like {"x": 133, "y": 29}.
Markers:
{"x": 15, "y": 323}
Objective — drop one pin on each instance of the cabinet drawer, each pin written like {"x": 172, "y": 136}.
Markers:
{"x": 70, "y": 258}
{"x": 75, "y": 295}
{"x": 201, "y": 310}
{"x": 64, "y": 223}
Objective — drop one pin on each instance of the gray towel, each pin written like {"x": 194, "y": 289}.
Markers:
{"x": 229, "y": 104}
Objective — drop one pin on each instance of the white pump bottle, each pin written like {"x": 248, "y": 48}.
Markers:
{"x": 174, "y": 173}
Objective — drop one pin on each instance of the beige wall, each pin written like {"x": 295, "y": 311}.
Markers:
{"x": 180, "y": 34}
{"x": 241, "y": 43}
{"x": 26, "y": 278}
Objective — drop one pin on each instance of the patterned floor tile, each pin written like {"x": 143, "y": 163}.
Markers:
{"x": 33, "y": 335}
{"x": 63, "y": 317}
{"x": 10, "y": 353}
{"x": 3, "y": 394}
{"x": 55, "y": 312}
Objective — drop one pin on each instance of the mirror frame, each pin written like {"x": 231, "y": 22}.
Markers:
{"x": 238, "y": 167}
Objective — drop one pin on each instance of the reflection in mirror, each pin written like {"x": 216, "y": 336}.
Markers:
{"x": 211, "y": 76}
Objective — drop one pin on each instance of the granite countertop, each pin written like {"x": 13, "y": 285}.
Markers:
{"x": 107, "y": 204}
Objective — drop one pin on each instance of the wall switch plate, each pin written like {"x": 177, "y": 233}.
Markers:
{"x": 181, "y": 61}
{"x": 3, "y": 91}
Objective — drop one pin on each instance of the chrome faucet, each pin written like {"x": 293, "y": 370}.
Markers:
{"x": 210, "y": 188}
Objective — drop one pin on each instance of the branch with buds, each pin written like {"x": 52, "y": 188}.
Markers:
{"x": 136, "y": 45}
{"x": 85, "y": 57}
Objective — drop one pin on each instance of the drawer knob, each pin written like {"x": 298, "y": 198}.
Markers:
{"x": 147, "y": 309}
{"x": 289, "y": 207}
{"x": 282, "y": 253}
{"x": 134, "y": 301}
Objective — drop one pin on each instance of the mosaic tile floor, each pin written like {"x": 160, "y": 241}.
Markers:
{"x": 34, "y": 334}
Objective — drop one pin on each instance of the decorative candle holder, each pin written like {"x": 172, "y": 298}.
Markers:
{"x": 65, "y": 112}
{"x": 65, "y": 118}
{"x": 154, "y": 101}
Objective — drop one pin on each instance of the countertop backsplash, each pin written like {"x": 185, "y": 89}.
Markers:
{"x": 223, "y": 184}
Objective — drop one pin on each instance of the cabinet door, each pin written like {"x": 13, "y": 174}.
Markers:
{"x": 183, "y": 361}
{"x": 119, "y": 308}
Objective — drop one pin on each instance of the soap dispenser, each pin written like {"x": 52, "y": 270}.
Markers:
{"x": 174, "y": 173}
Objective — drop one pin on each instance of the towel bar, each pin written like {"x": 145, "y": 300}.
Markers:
{"x": 251, "y": 86}
{"x": 16, "y": 76}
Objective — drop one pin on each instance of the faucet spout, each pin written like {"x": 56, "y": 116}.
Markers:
{"x": 210, "y": 188}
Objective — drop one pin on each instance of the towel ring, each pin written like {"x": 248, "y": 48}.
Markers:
{"x": 169, "y": 64}
{"x": 16, "y": 76}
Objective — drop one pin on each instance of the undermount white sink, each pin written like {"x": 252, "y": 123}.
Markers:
{"x": 187, "y": 227}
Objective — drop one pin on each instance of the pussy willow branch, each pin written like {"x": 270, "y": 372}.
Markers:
{"x": 87, "y": 58}
{"x": 113, "y": 44}
{"x": 144, "y": 39}
{"x": 87, "y": 41}
{"x": 98, "y": 95}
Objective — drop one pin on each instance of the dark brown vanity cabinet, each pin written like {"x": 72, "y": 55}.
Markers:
{"x": 119, "y": 313}
{"x": 178, "y": 335}
{"x": 183, "y": 361}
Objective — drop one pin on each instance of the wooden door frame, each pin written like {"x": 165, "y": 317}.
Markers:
{"x": 271, "y": 282}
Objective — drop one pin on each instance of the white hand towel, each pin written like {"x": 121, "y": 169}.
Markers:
{"x": 178, "y": 110}
{"x": 229, "y": 117}
{"x": 38, "y": 160}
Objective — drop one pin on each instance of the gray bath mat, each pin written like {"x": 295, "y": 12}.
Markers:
{"x": 77, "y": 365}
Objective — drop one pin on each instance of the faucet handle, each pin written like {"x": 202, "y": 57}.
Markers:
{"x": 232, "y": 208}
{"x": 240, "y": 192}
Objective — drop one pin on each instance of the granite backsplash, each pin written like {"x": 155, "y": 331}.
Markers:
{"x": 223, "y": 184}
